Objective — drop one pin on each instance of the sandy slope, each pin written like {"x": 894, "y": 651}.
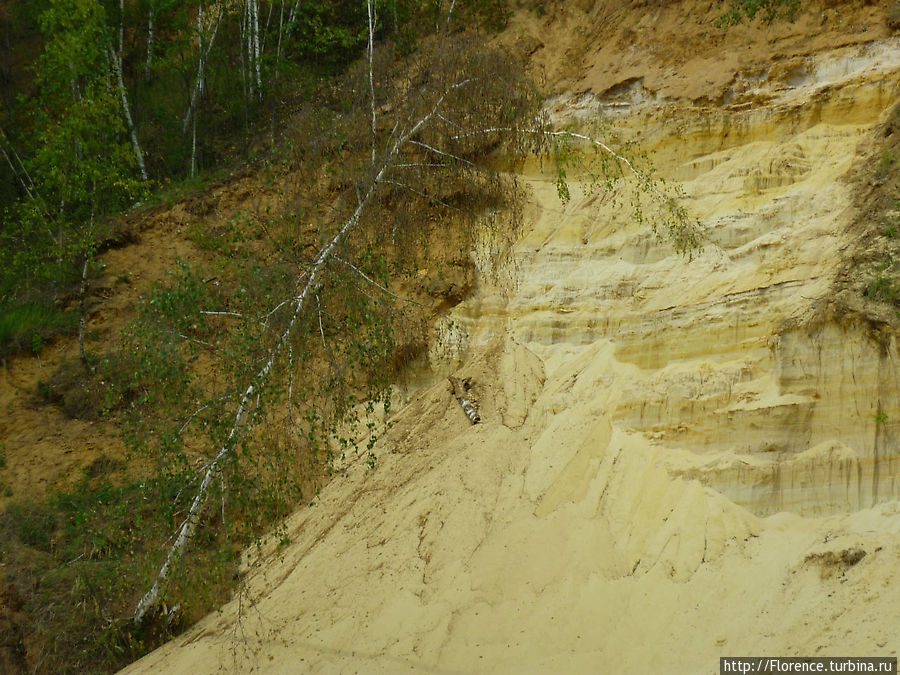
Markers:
{"x": 677, "y": 460}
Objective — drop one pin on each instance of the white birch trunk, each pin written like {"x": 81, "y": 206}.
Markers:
{"x": 248, "y": 35}
{"x": 256, "y": 50}
{"x": 201, "y": 72}
{"x": 201, "y": 65}
{"x": 293, "y": 14}
{"x": 370, "y": 4}
{"x": 278, "y": 48}
{"x": 265, "y": 32}
{"x": 150, "y": 32}
{"x": 116, "y": 60}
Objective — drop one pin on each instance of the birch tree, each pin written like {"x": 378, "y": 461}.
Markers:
{"x": 116, "y": 58}
{"x": 412, "y": 159}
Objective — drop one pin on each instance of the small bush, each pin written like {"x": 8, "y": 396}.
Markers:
{"x": 30, "y": 325}
{"x": 893, "y": 18}
{"x": 89, "y": 395}
{"x": 883, "y": 289}
{"x": 887, "y": 161}
{"x": 30, "y": 523}
{"x": 80, "y": 559}
{"x": 739, "y": 10}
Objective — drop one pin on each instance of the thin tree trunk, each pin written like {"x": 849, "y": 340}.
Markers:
{"x": 201, "y": 64}
{"x": 248, "y": 33}
{"x": 150, "y": 17}
{"x": 256, "y": 51}
{"x": 278, "y": 48}
{"x": 293, "y": 15}
{"x": 370, "y": 4}
{"x": 194, "y": 144}
{"x": 450, "y": 14}
{"x": 123, "y": 95}
{"x": 265, "y": 33}
{"x": 200, "y": 73}
{"x": 82, "y": 292}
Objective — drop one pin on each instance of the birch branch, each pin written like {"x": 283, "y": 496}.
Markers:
{"x": 421, "y": 194}
{"x": 571, "y": 134}
{"x": 321, "y": 329}
{"x": 375, "y": 283}
{"x": 371, "y": 7}
{"x": 116, "y": 60}
{"x": 201, "y": 67}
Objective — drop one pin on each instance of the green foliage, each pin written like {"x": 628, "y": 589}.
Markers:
{"x": 31, "y": 324}
{"x": 887, "y": 161}
{"x": 90, "y": 394}
{"x": 881, "y": 418}
{"x": 883, "y": 288}
{"x": 266, "y": 359}
{"x": 769, "y": 10}
{"x": 31, "y": 523}
{"x": 79, "y": 558}
{"x": 81, "y": 171}
{"x": 621, "y": 174}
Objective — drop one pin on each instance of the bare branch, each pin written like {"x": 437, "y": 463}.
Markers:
{"x": 375, "y": 283}
{"x": 449, "y": 154}
{"x": 200, "y": 410}
{"x": 210, "y": 313}
{"x": 425, "y": 196}
{"x": 291, "y": 383}
{"x": 321, "y": 330}
{"x": 420, "y": 165}
{"x": 194, "y": 340}
{"x": 370, "y": 4}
